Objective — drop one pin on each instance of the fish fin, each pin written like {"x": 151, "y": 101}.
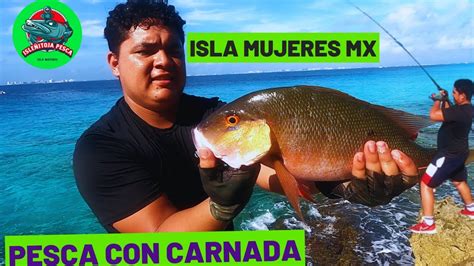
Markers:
{"x": 409, "y": 122}
{"x": 305, "y": 192}
{"x": 289, "y": 185}
{"x": 470, "y": 158}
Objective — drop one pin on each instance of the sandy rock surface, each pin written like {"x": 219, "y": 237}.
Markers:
{"x": 454, "y": 242}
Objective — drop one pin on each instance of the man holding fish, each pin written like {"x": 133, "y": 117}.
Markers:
{"x": 136, "y": 169}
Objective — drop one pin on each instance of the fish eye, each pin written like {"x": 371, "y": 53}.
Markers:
{"x": 232, "y": 120}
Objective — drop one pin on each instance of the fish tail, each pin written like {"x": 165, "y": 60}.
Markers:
{"x": 470, "y": 158}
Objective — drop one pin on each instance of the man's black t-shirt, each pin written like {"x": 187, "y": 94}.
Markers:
{"x": 122, "y": 164}
{"x": 454, "y": 132}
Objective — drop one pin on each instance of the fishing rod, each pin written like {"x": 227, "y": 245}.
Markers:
{"x": 401, "y": 45}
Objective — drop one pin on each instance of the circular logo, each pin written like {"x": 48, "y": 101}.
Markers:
{"x": 47, "y": 34}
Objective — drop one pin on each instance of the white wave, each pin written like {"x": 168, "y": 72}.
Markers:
{"x": 293, "y": 223}
{"x": 313, "y": 212}
{"x": 331, "y": 219}
{"x": 399, "y": 216}
{"x": 259, "y": 223}
{"x": 280, "y": 205}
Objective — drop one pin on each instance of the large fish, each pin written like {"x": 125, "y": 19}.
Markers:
{"x": 306, "y": 133}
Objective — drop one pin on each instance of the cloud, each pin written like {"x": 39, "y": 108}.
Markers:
{"x": 218, "y": 15}
{"x": 423, "y": 26}
{"x": 181, "y": 4}
{"x": 93, "y": 1}
{"x": 455, "y": 42}
{"x": 251, "y": 19}
{"x": 272, "y": 25}
{"x": 409, "y": 18}
{"x": 92, "y": 28}
{"x": 420, "y": 18}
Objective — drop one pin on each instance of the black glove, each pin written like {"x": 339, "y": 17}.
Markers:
{"x": 229, "y": 189}
{"x": 376, "y": 189}
{"x": 441, "y": 96}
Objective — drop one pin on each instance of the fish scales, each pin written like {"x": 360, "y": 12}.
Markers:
{"x": 319, "y": 132}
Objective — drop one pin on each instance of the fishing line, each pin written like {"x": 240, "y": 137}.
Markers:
{"x": 399, "y": 43}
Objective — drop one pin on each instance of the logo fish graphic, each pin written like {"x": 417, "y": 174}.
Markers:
{"x": 47, "y": 34}
{"x": 52, "y": 27}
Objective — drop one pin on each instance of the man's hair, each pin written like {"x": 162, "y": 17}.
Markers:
{"x": 140, "y": 13}
{"x": 464, "y": 86}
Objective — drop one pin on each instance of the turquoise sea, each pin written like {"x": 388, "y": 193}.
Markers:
{"x": 39, "y": 124}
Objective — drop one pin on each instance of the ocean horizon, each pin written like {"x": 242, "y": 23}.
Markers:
{"x": 13, "y": 83}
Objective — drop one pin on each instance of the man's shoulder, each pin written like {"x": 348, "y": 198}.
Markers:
{"x": 108, "y": 128}
{"x": 464, "y": 110}
{"x": 458, "y": 114}
{"x": 193, "y": 108}
{"x": 199, "y": 101}
{"x": 462, "y": 107}
{"x": 468, "y": 109}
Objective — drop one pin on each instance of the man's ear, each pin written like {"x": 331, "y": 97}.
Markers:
{"x": 113, "y": 61}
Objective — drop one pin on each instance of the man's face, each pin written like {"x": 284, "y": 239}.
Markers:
{"x": 457, "y": 96}
{"x": 151, "y": 67}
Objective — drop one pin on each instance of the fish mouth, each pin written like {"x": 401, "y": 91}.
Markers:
{"x": 198, "y": 139}
{"x": 201, "y": 142}
{"x": 233, "y": 160}
{"x": 33, "y": 26}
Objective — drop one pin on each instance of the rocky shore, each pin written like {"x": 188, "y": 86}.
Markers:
{"x": 454, "y": 242}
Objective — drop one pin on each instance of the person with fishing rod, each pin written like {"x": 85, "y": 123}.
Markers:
{"x": 453, "y": 147}
{"x": 453, "y": 150}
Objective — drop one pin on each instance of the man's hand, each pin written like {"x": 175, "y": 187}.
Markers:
{"x": 229, "y": 189}
{"x": 442, "y": 96}
{"x": 379, "y": 175}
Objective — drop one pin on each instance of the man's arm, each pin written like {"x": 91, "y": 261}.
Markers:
{"x": 436, "y": 114}
{"x": 229, "y": 192}
{"x": 395, "y": 172}
{"x": 268, "y": 180}
{"x": 440, "y": 102}
{"x": 161, "y": 215}
{"x": 125, "y": 197}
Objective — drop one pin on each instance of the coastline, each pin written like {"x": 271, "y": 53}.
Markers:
{"x": 51, "y": 81}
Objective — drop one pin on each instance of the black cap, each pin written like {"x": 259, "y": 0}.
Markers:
{"x": 464, "y": 86}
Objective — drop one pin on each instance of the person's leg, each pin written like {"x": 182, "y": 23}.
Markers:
{"x": 464, "y": 191}
{"x": 435, "y": 175}
{"x": 427, "y": 224}
{"x": 460, "y": 182}
{"x": 427, "y": 199}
